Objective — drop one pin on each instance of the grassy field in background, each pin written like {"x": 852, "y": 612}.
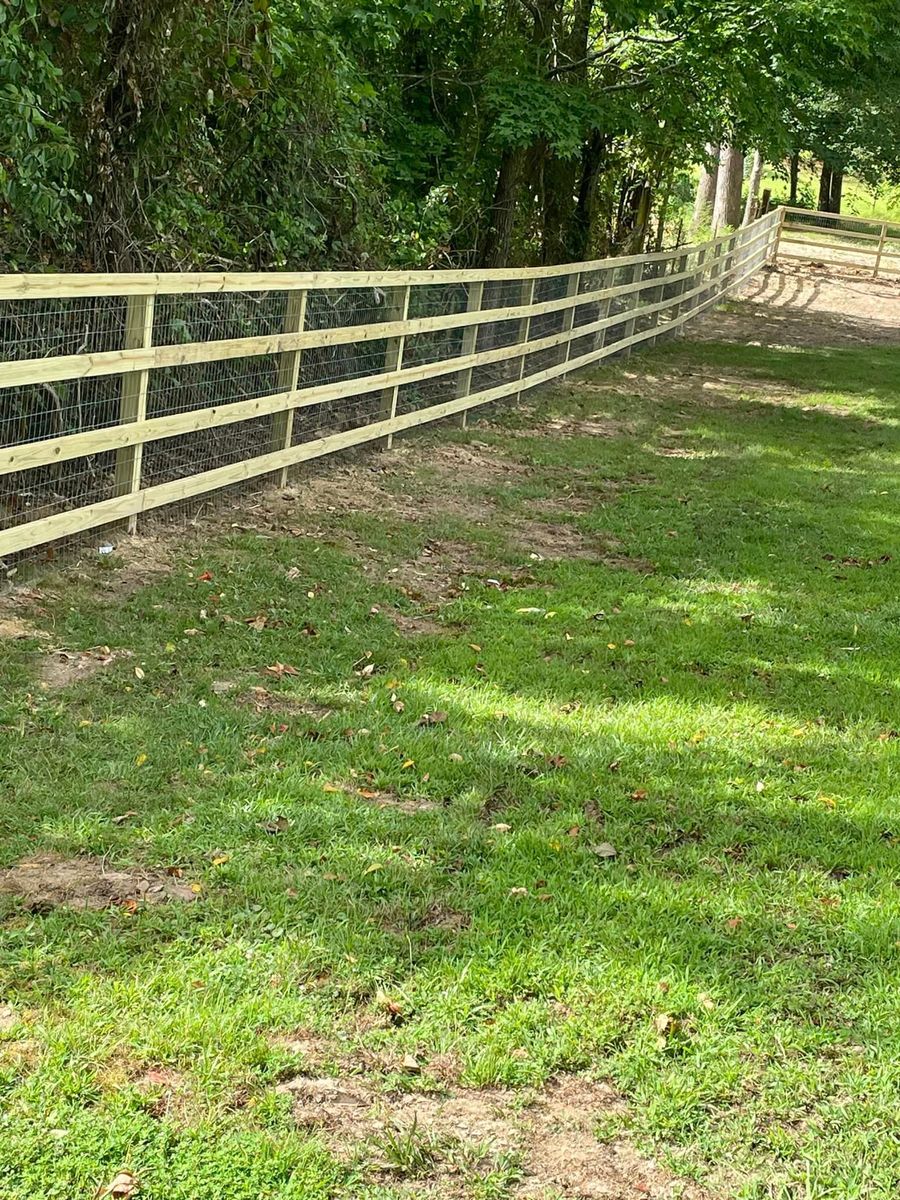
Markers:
{"x": 579, "y": 763}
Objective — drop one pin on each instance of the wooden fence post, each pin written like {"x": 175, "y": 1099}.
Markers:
{"x": 469, "y": 344}
{"x": 396, "y": 309}
{"x": 288, "y": 375}
{"x": 133, "y": 402}
{"x": 523, "y": 333}
{"x": 573, "y": 287}
{"x": 773, "y": 257}
{"x": 880, "y": 251}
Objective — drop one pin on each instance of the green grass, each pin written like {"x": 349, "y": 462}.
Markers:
{"x": 725, "y": 722}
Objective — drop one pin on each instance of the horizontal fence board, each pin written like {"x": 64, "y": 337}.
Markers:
{"x": 41, "y": 453}
{"x": 722, "y": 265}
{"x": 116, "y": 362}
{"x": 801, "y": 228}
{"x": 88, "y": 285}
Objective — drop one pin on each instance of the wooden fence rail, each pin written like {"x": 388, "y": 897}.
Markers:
{"x": 123, "y": 393}
{"x": 840, "y": 240}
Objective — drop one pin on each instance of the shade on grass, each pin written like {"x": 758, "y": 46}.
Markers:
{"x": 727, "y": 723}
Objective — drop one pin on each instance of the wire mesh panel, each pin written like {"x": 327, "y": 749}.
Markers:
{"x": 123, "y": 394}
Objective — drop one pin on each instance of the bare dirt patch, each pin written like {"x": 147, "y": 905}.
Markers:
{"x": 15, "y": 628}
{"x": 475, "y": 463}
{"x": 389, "y": 799}
{"x": 48, "y": 881}
{"x": 438, "y": 571}
{"x": 391, "y": 484}
{"x": 799, "y": 304}
{"x": 596, "y": 426}
{"x": 561, "y": 542}
{"x": 551, "y": 1132}
{"x": 283, "y": 704}
{"x": 63, "y": 668}
{"x": 555, "y": 541}
{"x": 412, "y": 626}
{"x": 139, "y": 561}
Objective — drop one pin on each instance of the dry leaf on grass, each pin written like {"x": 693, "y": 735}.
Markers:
{"x": 433, "y": 718}
{"x": 119, "y": 1187}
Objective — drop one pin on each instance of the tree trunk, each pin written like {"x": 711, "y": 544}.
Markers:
{"x": 558, "y": 209}
{"x": 825, "y": 188}
{"x": 502, "y": 213}
{"x": 836, "y": 191}
{"x": 795, "y": 177}
{"x": 593, "y": 157}
{"x": 641, "y": 218}
{"x": 727, "y": 208}
{"x": 706, "y": 189}
{"x": 753, "y": 187}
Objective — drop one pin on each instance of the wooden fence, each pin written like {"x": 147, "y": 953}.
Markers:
{"x": 123, "y": 393}
{"x": 838, "y": 240}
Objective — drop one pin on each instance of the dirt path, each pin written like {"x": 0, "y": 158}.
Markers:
{"x": 807, "y": 306}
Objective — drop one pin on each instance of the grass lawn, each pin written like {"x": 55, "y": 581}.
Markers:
{"x": 577, "y": 761}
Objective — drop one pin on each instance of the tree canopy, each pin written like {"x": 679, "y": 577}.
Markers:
{"x": 273, "y": 133}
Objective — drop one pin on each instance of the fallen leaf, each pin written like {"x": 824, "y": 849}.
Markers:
{"x": 411, "y": 1064}
{"x": 206, "y": 577}
{"x": 367, "y": 670}
{"x": 734, "y": 923}
{"x": 457, "y": 758}
{"x": 557, "y": 761}
{"x": 372, "y": 867}
{"x": 119, "y": 1187}
{"x": 639, "y": 794}
{"x": 140, "y": 760}
{"x": 518, "y": 891}
{"x": 220, "y": 859}
{"x": 279, "y": 669}
{"x": 604, "y": 850}
{"x": 276, "y": 825}
{"x": 258, "y": 622}
{"x": 123, "y": 817}
{"x": 500, "y": 827}
{"x": 138, "y": 673}
{"x": 433, "y": 718}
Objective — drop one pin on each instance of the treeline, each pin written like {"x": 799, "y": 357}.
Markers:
{"x": 161, "y": 134}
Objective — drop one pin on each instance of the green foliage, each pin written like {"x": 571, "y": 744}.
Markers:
{"x": 274, "y": 133}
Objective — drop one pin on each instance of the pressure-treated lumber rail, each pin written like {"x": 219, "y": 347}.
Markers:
{"x": 840, "y": 240}
{"x": 563, "y": 318}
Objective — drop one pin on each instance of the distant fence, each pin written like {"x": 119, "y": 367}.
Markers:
{"x": 841, "y": 241}
{"x": 123, "y": 393}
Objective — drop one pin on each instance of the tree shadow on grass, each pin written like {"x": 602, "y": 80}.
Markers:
{"x": 671, "y": 861}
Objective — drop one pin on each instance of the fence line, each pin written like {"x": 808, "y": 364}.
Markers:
{"x": 845, "y": 240}
{"x": 120, "y": 394}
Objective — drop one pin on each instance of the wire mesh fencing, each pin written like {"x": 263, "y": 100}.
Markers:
{"x": 120, "y": 395}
